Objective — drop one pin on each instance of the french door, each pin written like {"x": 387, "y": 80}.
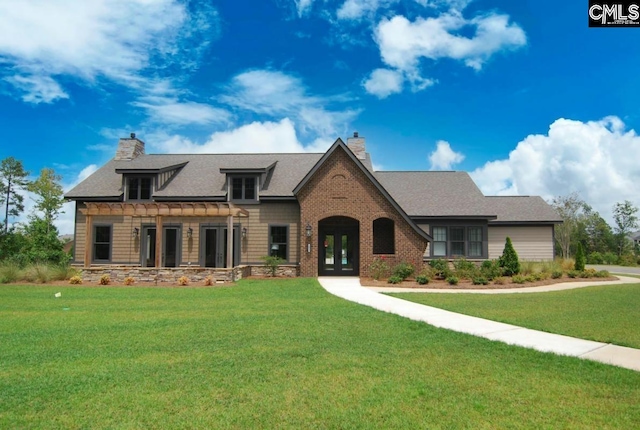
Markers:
{"x": 214, "y": 246}
{"x": 338, "y": 250}
{"x": 170, "y": 246}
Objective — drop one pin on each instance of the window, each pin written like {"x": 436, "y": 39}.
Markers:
{"x": 139, "y": 188}
{"x": 458, "y": 241}
{"x": 383, "y": 236}
{"x": 439, "y": 241}
{"x": 243, "y": 188}
{"x": 279, "y": 241}
{"x": 102, "y": 243}
{"x": 475, "y": 241}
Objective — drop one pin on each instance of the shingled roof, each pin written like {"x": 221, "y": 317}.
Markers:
{"x": 521, "y": 209}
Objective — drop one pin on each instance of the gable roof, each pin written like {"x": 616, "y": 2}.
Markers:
{"x": 339, "y": 144}
{"x": 521, "y": 209}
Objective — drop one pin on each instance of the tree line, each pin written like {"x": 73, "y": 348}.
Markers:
{"x": 35, "y": 241}
{"x": 584, "y": 227}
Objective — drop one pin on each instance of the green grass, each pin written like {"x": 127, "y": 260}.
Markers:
{"x": 602, "y": 313}
{"x": 277, "y": 354}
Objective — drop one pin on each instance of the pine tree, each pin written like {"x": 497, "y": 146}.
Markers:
{"x": 13, "y": 178}
{"x": 509, "y": 259}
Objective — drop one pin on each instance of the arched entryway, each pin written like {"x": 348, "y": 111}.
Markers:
{"x": 339, "y": 247}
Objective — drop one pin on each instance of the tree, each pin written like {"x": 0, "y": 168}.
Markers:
{"x": 12, "y": 179}
{"x": 49, "y": 195}
{"x": 509, "y": 259}
{"x": 580, "y": 258}
{"x": 598, "y": 233}
{"x": 571, "y": 209}
{"x": 624, "y": 215}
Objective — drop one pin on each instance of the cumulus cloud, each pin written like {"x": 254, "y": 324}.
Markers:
{"x": 168, "y": 110}
{"x": 277, "y": 94}
{"x": 120, "y": 41}
{"x": 443, "y": 158}
{"x": 256, "y": 137}
{"x": 303, "y": 6}
{"x": 597, "y": 159}
{"x": 356, "y": 9}
{"x": 384, "y": 82}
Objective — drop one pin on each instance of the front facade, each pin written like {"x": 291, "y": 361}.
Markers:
{"x": 323, "y": 214}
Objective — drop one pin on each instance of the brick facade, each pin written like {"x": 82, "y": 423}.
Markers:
{"x": 340, "y": 188}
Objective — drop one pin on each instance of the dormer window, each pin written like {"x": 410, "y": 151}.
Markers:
{"x": 244, "y": 188}
{"x": 139, "y": 187}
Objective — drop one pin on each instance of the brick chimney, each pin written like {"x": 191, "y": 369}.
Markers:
{"x": 129, "y": 148}
{"x": 356, "y": 145}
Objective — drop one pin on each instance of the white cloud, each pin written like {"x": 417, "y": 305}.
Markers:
{"x": 356, "y": 9}
{"x": 119, "y": 41}
{"x": 37, "y": 89}
{"x": 444, "y": 157}
{"x": 279, "y": 95}
{"x": 597, "y": 159}
{"x": 275, "y": 137}
{"x": 169, "y": 110}
{"x": 384, "y": 82}
{"x": 403, "y": 43}
{"x": 303, "y": 6}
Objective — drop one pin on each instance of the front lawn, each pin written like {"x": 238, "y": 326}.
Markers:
{"x": 277, "y": 354}
{"x": 607, "y": 314}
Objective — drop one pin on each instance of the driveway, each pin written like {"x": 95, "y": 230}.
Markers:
{"x": 616, "y": 269}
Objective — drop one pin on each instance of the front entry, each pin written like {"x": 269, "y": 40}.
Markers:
{"x": 170, "y": 246}
{"x": 339, "y": 247}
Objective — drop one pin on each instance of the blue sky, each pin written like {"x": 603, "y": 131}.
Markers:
{"x": 522, "y": 94}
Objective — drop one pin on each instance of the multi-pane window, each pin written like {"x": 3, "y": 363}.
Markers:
{"x": 139, "y": 188}
{"x": 439, "y": 241}
{"x": 243, "y": 188}
{"x": 457, "y": 241}
{"x": 279, "y": 241}
{"x": 475, "y": 241}
{"x": 102, "y": 243}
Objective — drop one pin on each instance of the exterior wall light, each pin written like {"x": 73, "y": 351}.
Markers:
{"x": 244, "y": 232}
{"x": 308, "y": 230}
{"x": 189, "y": 233}
{"x": 135, "y": 232}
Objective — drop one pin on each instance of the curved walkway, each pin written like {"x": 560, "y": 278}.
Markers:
{"x": 350, "y": 289}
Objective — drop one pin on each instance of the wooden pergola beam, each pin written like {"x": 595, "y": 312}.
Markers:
{"x": 164, "y": 209}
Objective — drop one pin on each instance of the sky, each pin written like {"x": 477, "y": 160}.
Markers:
{"x": 521, "y": 94}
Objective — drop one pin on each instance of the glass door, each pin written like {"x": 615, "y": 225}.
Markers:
{"x": 338, "y": 254}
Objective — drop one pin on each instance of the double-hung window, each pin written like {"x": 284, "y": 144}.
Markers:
{"x": 279, "y": 241}
{"x": 244, "y": 188}
{"x": 102, "y": 243}
{"x": 139, "y": 187}
{"x": 458, "y": 241}
{"x": 475, "y": 241}
{"x": 440, "y": 241}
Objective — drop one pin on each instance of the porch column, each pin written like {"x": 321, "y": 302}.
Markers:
{"x": 229, "y": 242}
{"x": 158, "y": 240}
{"x": 87, "y": 240}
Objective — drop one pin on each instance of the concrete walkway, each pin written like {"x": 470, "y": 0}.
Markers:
{"x": 350, "y": 289}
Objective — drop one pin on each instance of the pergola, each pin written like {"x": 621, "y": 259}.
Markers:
{"x": 161, "y": 210}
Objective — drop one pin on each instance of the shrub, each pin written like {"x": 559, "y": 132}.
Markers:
{"x": 9, "y": 272}
{"x": 272, "y": 263}
{"x": 422, "y": 279}
{"x": 440, "y": 268}
{"x": 556, "y": 274}
{"x": 500, "y": 280}
{"x": 394, "y": 279}
{"x": 76, "y": 280}
{"x": 453, "y": 280}
{"x": 60, "y": 272}
{"x": 129, "y": 280}
{"x": 566, "y": 264}
{"x": 580, "y": 258}
{"x": 491, "y": 269}
{"x": 527, "y": 267}
{"x": 105, "y": 279}
{"x": 573, "y": 274}
{"x": 509, "y": 259}
{"x": 183, "y": 280}
{"x": 480, "y": 280}
{"x": 588, "y": 273}
{"x": 595, "y": 258}
{"x": 38, "y": 272}
{"x": 530, "y": 278}
{"x": 610, "y": 258}
{"x": 379, "y": 269}
{"x": 627, "y": 260}
{"x": 602, "y": 274}
{"x": 403, "y": 270}
{"x": 208, "y": 281}
{"x": 519, "y": 279}
{"x": 465, "y": 269}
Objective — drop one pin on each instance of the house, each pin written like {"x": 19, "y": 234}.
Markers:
{"x": 323, "y": 213}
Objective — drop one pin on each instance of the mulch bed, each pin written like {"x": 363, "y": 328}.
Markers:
{"x": 465, "y": 284}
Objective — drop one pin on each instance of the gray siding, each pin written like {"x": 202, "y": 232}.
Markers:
{"x": 530, "y": 242}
